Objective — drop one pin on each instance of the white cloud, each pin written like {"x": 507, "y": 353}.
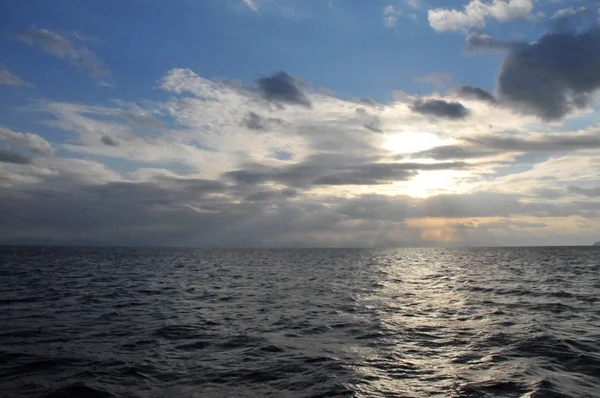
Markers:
{"x": 251, "y": 5}
{"x": 476, "y": 13}
{"x": 413, "y": 3}
{"x": 211, "y": 134}
{"x": 10, "y": 79}
{"x": 557, "y": 172}
{"x": 391, "y": 15}
{"x": 568, "y": 12}
{"x": 201, "y": 171}
{"x": 29, "y": 141}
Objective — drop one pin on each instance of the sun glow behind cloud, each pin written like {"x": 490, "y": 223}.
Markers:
{"x": 428, "y": 183}
{"x": 412, "y": 142}
{"x": 425, "y": 183}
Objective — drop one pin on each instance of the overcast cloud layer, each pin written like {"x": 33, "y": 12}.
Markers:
{"x": 279, "y": 160}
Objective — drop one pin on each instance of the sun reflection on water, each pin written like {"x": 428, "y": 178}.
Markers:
{"x": 427, "y": 328}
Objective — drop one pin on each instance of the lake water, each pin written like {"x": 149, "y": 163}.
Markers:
{"x": 105, "y": 322}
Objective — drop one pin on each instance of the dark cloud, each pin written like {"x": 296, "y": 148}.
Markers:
{"x": 335, "y": 170}
{"x": 374, "y": 126}
{"x": 381, "y": 173}
{"x": 168, "y": 211}
{"x": 256, "y": 122}
{"x": 588, "y": 192}
{"x": 106, "y": 140}
{"x": 267, "y": 196}
{"x": 440, "y": 108}
{"x": 378, "y": 207}
{"x": 283, "y": 88}
{"x": 552, "y": 77}
{"x": 491, "y": 145}
{"x": 476, "y": 93}
{"x": 548, "y": 193}
{"x": 366, "y": 101}
{"x": 65, "y": 48}
{"x": 365, "y": 176}
{"x": 370, "y": 122}
{"x": 550, "y": 143}
{"x": 8, "y": 156}
{"x": 253, "y": 121}
{"x": 446, "y": 152}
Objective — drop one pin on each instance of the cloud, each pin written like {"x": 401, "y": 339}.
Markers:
{"x": 334, "y": 170}
{"x": 106, "y": 140}
{"x": 279, "y": 88}
{"x": 446, "y": 152}
{"x": 91, "y": 205}
{"x": 9, "y": 79}
{"x": 550, "y": 78}
{"x": 282, "y": 88}
{"x": 9, "y": 156}
{"x": 168, "y": 210}
{"x": 61, "y": 47}
{"x": 587, "y": 192}
{"x": 391, "y": 15}
{"x": 568, "y": 13}
{"x": 369, "y": 121}
{"x": 216, "y": 160}
{"x": 554, "y": 76}
{"x": 476, "y": 93}
{"x": 28, "y": 141}
{"x": 413, "y": 3}
{"x": 548, "y": 143}
{"x": 271, "y": 195}
{"x": 366, "y": 101}
{"x": 437, "y": 78}
{"x": 254, "y": 121}
{"x": 492, "y": 145}
{"x": 509, "y": 224}
{"x": 476, "y": 41}
{"x": 548, "y": 193}
{"x": 440, "y": 108}
{"x": 475, "y": 14}
{"x": 250, "y": 4}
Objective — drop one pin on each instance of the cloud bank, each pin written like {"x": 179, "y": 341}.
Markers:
{"x": 273, "y": 163}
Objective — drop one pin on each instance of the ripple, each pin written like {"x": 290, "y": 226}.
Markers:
{"x": 92, "y": 322}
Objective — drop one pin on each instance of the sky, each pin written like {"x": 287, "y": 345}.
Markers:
{"x": 300, "y": 123}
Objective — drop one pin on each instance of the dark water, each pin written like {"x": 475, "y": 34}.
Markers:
{"x": 300, "y": 323}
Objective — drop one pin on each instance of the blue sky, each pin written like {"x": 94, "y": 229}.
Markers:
{"x": 345, "y": 46}
{"x": 133, "y": 91}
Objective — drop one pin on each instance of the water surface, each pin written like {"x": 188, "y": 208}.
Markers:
{"x": 104, "y": 322}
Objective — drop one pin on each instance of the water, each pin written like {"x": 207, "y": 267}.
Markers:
{"x": 100, "y": 322}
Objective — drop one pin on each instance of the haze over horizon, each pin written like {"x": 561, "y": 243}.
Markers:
{"x": 287, "y": 123}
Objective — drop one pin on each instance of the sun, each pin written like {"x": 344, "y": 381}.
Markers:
{"x": 427, "y": 182}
